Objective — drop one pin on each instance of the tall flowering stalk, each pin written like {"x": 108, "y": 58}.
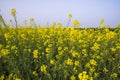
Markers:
{"x": 102, "y": 23}
{"x": 13, "y": 13}
{"x": 69, "y": 19}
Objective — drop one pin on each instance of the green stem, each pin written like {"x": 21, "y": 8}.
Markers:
{"x": 16, "y": 22}
{"x": 2, "y": 20}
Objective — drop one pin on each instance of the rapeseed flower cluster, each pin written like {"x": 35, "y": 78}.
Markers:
{"x": 84, "y": 76}
{"x": 13, "y": 12}
{"x": 59, "y": 52}
{"x": 35, "y": 54}
{"x": 43, "y": 69}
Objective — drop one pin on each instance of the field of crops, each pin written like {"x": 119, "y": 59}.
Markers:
{"x": 56, "y": 52}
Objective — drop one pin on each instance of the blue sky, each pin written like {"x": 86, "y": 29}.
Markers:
{"x": 88, "y": 12}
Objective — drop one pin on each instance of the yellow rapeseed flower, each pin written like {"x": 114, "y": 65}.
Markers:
{"x": 102, "y": 21}
{"x": 59, "y": 25}
{"x": 76, "y": 23}
{"x": 6, "y": 35}
{"x": 77, "y": 63}
{"x": 93, "y": 62}
{"x": 92, "y": 69}
{"x": 65, "y": 48}
{"x": 13, "y": 47}
{"x": 34, "y": 73}
{"x": 84, "y": 76}
{"x": 72, "y": 78}
{"x": 88, "y": 65}
{"x": 47, "y": 23}
{"x": 69, "y": 15}
{"x": 101, "y": 26}
{"x": 59, "y": 48}
{"x": 43, "y": 69}
{"x": 13, "y": 12}
{"x": 52, "y": 61}
{"x": 31, "y": 19}
{"x": 96, "y": 75}
{"x": 4, "y": 52}
{"x": 105, "y": 70}
{"x": 35, "y": 54}
{"x": 113, "y": 49}
{"x": 110, "y": 35}
{"x": 50, "y": 45}
{"x": 69, "y": 61}
{"x": 17, "y": 79}
{"x": 75, "y": 54}
{"x": 96, "y": 46}
{"x": 114, "y": 75}
{"x": 47, "y": 50}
